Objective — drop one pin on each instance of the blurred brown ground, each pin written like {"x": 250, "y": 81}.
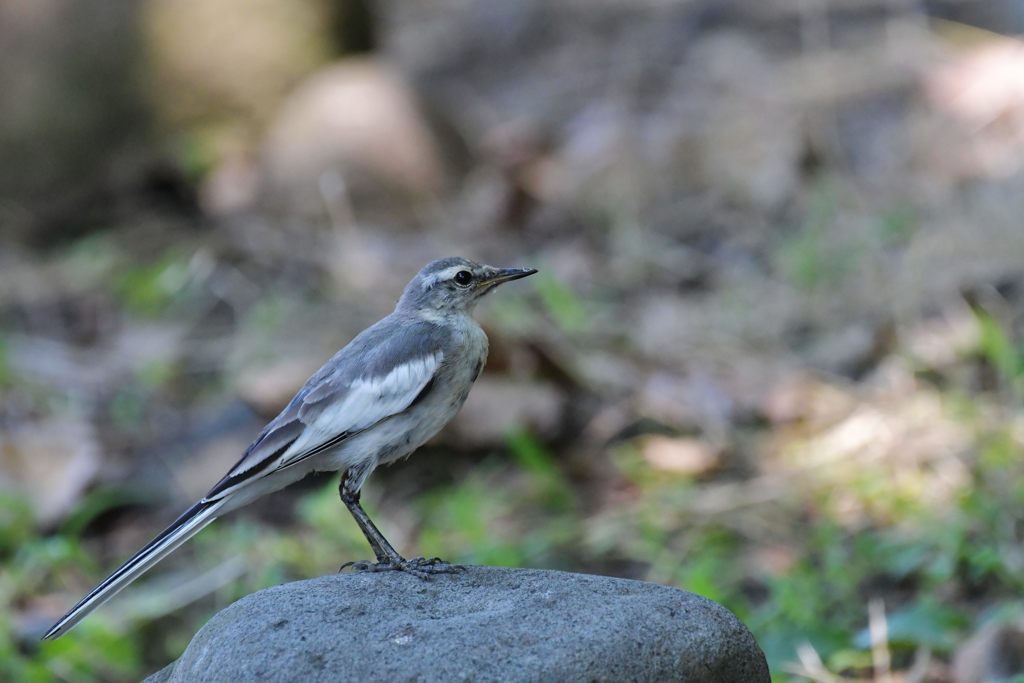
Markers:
{"x": 781, "y": 247}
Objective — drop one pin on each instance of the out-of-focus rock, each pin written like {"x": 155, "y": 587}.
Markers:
{"x": 49, "y": 463}
{"x": 981, "y": 91}
{"x": 232, "y": 60}
{"x": 497, "y": 406}
{"x": 353, "y": 129}
{"x": 994, "y": 653}
{"x": 232, "y": 186}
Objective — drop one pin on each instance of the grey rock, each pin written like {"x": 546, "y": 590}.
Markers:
{"x": 486, "y": 624}
{"x": 351, "y": 131}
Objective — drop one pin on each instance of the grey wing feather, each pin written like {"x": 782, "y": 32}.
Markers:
{"x": 378, "y": 374}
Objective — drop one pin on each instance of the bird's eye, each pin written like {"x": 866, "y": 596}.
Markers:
{"x": 463, "y": 278}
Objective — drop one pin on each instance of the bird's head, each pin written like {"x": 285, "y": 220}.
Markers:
{"x": 454, "y": 284}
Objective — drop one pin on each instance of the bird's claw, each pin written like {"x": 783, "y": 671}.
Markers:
{"x": 417, "y": 566}
{"x": 434, "y": 565}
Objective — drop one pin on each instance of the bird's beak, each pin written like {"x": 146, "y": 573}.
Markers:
{"x": 500, "y": 275}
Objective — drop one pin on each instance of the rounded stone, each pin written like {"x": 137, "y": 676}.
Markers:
{"x": 484, "y": 624}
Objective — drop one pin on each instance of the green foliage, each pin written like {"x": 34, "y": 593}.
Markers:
{"x": 155, "y": 374}
{"x": 1001, "y": 352}
{"x": 126, "y": 408}
{"x": 820, "y": 596}
{"x": 32, "y": 563}
{"x": 523, "y": 510}
{"x": 92, "y": 260}
{"x": 540, "y": 464}
{"x": 95, "y": 653}
{"x": 513, "y": 314}
{"x": 924, "y": 622}
{"x": 16, "y": 522}
{"x": 809, "y": 257}
{"x": 196, "y": 152}
{"x": 523, "y": 517}
{"x": 897, "y": 225}
{"x": 561, "y": 304}
{"x": 149, "y": 289}
{"x": 709, "y": 566}
{"x": 6, "y": 374}
{"x": 468, "y": 522}
{"x": 97, "y": 502}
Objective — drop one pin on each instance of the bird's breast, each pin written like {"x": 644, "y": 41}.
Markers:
{"x": 465, "y": 354}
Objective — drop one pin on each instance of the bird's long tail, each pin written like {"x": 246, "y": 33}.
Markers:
{"x": 185, "y": 527}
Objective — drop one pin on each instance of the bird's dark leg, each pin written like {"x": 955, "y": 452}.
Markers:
{"x": 387, "y": 557}
{"x": 384, "y": 551}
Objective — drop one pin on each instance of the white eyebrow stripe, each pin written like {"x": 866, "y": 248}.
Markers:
{"x": 441, "y": 275}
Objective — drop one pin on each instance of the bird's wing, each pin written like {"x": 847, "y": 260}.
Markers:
{"x": 379, "y": 374}
{"x": 351, "y": 393}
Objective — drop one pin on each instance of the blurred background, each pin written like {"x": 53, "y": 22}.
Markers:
{"x": 775, "y": 354}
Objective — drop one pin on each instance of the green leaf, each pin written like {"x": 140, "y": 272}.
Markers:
{"x": 897, "y": 225}
{"x": 926, "y": 623}
{"x": 6, "y": 374}
{"x": 99, "y": 501}
{"x": 16, "y": 521}
{"x": 535, "y": 459}
{"x": 998, "y": 349}
{"x": 562, "y": 305}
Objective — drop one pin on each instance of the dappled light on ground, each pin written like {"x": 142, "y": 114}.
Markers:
{"x": 774, "y": 354}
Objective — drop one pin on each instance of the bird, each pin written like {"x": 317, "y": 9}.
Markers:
{"x": 378, "y": 399}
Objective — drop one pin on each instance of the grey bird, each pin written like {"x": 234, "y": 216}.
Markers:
{"x": 393, "y": 387}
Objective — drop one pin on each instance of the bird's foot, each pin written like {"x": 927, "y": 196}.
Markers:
{"x": 417, "y": 566}
{"x": 423, "y": 567}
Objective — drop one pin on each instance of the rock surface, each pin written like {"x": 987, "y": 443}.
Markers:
{"x": 356, "y": 120}
{"x": 486, "y": 624}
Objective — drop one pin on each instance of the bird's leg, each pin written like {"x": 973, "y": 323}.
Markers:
{"x": 387, "y": 557}
{"x": 384, "y": 551}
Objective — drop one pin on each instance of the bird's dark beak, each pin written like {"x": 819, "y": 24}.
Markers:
{"x": 507, "y": 274}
